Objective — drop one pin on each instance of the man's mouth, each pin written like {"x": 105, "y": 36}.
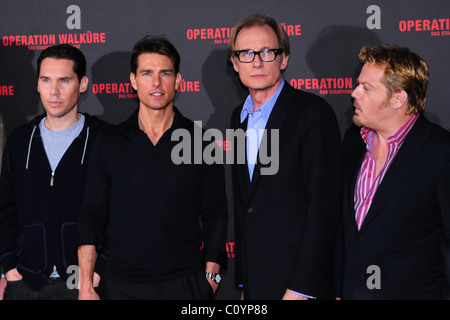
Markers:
{"x": 54, "y": 103}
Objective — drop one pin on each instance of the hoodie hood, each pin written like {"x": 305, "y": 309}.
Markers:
{"x": 89, "y": 123}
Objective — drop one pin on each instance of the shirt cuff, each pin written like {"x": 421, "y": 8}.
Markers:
{"x": 301, "y": 294}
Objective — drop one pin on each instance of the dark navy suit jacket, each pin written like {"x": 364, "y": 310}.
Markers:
{"x": 286, "y": 223}
{"x": 406, "y": 233}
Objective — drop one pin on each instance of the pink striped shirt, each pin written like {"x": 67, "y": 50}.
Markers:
{"x": 367, "y": 183}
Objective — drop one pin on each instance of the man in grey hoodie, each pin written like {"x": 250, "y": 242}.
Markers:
{"x": 42, "y": 182}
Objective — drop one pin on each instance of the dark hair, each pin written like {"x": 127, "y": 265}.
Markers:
{"x": 65, "y": 51}
{"x": 155, "y": 44}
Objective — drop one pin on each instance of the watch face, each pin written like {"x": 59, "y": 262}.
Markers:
{"x": 218, "y": 278}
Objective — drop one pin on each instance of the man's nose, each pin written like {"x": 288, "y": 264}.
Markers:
{"x": 156, "y": 80}
{"x": 54, "y": 90}
{"x": 257, "y": 61}
{"x": 355, "y": 92}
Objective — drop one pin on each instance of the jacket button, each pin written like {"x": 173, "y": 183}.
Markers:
{"x": 251, "y": 210}
{"x": 358, "y": 239}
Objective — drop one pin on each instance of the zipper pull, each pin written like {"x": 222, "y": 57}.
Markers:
{"x": 52, "y": 178}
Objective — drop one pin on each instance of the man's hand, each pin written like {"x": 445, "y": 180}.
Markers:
{"x": 13, "y": 275}
{"x": 89, "y": 294}
{"x": 214, "y": 268}
{"x": 214, "y": 285}
{"x": 2, "y": 287}
{"x": 96, "y": 280}
{"x": 291, "y": 295}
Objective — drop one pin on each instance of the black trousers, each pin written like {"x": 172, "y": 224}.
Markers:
{"x": 54, "y": 289}
{"x": 193, "y": 286}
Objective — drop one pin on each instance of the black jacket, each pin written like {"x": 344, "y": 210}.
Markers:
{"x": 38, "y": 221}
{"x": 406, "y": 233}
{"x": 286, "y": 223}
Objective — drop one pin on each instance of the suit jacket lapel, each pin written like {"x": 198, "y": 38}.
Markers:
{"x": 355, "y": 163}
{"x": 275, "y": 121}
{"x": 243, "y": 168}
{"x": 410, "y": 153}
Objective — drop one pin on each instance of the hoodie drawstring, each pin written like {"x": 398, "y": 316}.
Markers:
{"x": 85, "y": 145}
{"x": 53, "y": 173}
{"x": 29, "y": 147}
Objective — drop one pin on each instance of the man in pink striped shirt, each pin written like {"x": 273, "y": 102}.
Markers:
{"x": 396, "y": 223}
{"x": 372, "y": 172}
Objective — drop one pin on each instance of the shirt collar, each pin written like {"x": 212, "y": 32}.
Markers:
{"x": 133, "y": 120}
{"x": 397, "y": 138}
{"x": 266, "y": 108}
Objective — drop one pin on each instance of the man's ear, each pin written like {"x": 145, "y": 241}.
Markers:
{"x": 400, "y": 98}
{"x": 177, "y": 81}
{"x": 84, "y": 84}
{"x": 284, "y": 61}
{"x": 234, "y": 62}
{"x": 133, "y": 80}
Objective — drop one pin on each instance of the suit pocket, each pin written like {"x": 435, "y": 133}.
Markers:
{"x": 32, "y": 252}
{"x": 69, "y": 243}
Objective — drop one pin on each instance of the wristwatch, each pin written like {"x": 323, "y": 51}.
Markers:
{"x": 213, "y": 276}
